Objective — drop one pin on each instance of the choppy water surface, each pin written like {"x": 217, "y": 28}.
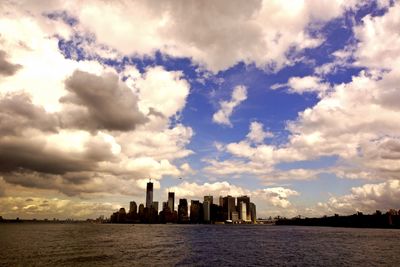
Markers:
{"x": 200, "y": 245}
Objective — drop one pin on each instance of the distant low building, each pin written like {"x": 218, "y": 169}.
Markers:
{"x": 235, "y": 216}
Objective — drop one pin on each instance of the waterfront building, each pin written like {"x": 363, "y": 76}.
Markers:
{"x": 149, "y": 195}
{"x": 229, "y": 207}
{"x": 235, "y": 217}
{"x": 246, "y": 200}
{"x": 195, "y": 211}
{"x": 209, "y": 199}
{"x": 141, "y": 209}
{"x": 253, "y": 215}
{"x": 183, "y": 216}
{"x": 242, "y": 211}
{"x": 132, "y": 207}
{"x": 121, "y": 215}
{"x": 171, "y": 201}
{"x": 206, "y": 211}
{"x": 155, "y": 206}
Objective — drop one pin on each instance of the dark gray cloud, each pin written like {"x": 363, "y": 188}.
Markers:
{"x": 71, "y": 184}
{"x": 31, "y": 154}
{"x": 2, "y": 191}
{"x": 7, "y": 68}
{"x": 390, "y": 149}
{"x": 17, "y": 112}
{"x": 100, "y": 102}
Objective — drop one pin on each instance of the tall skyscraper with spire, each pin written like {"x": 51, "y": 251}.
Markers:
{"x": 149, "y": 195}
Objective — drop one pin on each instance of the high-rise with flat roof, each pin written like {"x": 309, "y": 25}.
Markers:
{"x": 206, "y": 210}
{"x": 195, "y": 211}
{"x": 221, "y": 201}
{"x": 155, "y": 206}
{"x": 229, "y": 206}
{"x": 246, "y": 200}
{"x": 183, "y": 211}
{"x": 171, "y": 201}
{"x": 253, "y": 214}
{"x": 132, "y": 207}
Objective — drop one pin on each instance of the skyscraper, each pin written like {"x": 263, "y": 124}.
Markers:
{"x": 171, "y": 201}
{"x": 242, "y": 211}
{"x": 229, "y": 206}
{"x": 221, "y": 201}
{"x": 155, "y": 206}
{"x": 132, "y": 207}
{"x": 246, "y": 200}
{"x": 195, "y": 211}
{"x": 141, "y": 209}
{"x": 183, "y": 211}
{"x": 206, "y": 210}
{"x": 149, "y": 195}
{"x": 253, "y": 214}
{"x": 209, "y": 199}
{"x": 165, "y": 206}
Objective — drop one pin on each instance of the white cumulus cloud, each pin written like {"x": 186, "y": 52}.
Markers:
{"x": 222, "y": 116}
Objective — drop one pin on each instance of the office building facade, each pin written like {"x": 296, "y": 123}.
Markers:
{"x": 149, "y": 195}
{"x": 171, "y": 201}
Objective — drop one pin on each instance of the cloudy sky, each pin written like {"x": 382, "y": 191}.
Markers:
{"x": 295, "y": 103}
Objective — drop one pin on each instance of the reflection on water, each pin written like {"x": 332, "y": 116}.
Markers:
{"x": 199, "y": 245}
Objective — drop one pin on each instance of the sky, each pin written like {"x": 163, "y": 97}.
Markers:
{"x": 293, "y": 103}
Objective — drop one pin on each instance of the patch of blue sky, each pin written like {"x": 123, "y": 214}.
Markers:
{"x": 321, "y": 189}
{"x": 320, "y": 163}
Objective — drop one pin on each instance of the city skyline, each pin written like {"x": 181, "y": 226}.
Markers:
{"x": 293, "y": 104}
{"x": 231, "y": 210}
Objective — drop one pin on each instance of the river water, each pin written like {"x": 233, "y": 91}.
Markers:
{"x": 195, "y": 245}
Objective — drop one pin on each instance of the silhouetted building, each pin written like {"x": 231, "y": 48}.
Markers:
{"x": 171, "y": 201}
{"x": 121, "y": 215}
{"x": 155, "y": 206}
{"x": 141, "y": 212}
{"x": 206, "y": 211}
{"x": 149, "y": 194}
{"x": 221, "y": 201}
{"x": 209, "y": 199}
{"x": 132, "y": 207}
{"x": 195, "y": 211}
{"x": 183, "y": 211}
{"x": 246, "y": 200}
{"x": 152, "y": 213}
{"x": 164, "y": 205}
{"x": 253, "y": 214}
{"x": 229, "y": 207}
